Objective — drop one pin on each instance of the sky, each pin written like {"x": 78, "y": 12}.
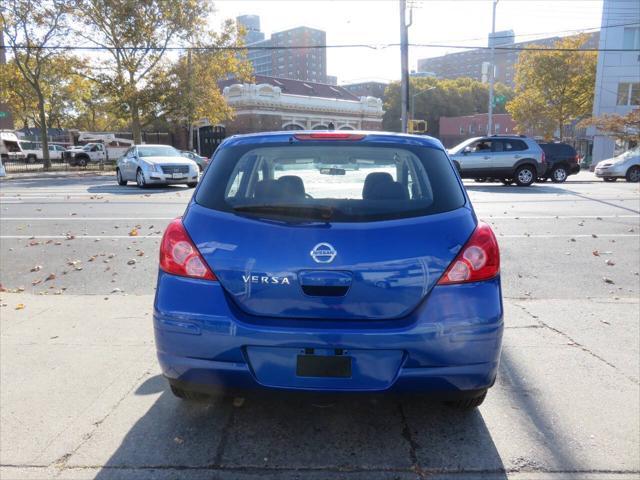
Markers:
{"x": 376, "y": 22}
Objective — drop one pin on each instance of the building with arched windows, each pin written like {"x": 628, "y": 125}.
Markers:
{"x": 273, "y": 104}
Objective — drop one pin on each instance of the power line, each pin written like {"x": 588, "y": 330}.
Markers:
{"x": 316, "y": 47}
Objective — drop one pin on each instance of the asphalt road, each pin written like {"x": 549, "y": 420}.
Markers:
{"x": 82, "y": 397}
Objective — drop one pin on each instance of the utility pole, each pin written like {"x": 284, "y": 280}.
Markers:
{"x": 492, "y": 69}
{"x": 190, "y": 101}
{"x": 404, "y": 64}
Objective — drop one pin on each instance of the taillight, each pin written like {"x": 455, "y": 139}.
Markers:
{"x": 577, "y": 158}
{"x": 179, "y": 255}
{"x": 328, "y": 136}
{"x": 478, "y": 260}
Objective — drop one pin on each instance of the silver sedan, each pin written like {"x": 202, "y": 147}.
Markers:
{"x": 156, "y": 164}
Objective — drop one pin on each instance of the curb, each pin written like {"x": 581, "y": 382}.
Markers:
{"x": 26, "y": 176}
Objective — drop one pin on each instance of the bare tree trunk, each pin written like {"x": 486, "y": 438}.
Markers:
{"x": 135, "y": 112}
{"x": 44, "y": 132}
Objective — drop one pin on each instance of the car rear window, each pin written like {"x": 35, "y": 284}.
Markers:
{"x": 337, "y": 182}
{"x": 558, "y": 149}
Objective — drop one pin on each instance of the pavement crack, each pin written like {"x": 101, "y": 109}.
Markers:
{"x": 224, "y": 437}
{"x": 413, "y": 445}
{"x": 575, "y": 343}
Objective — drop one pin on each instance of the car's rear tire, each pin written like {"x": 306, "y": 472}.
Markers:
{"x": 525, "y": 175}
{"x": 468, "y": 403}
{"x": 140, "y": 181}
{"x": 633, "y": 174}
{"x": 121, "y": 181}
{"x": 81, "y": 162}
{"x": 31, "y": 159}
{"x": 187, "y": 394}
{"x": 192, "y": 184}
{"x": 559, "y": 174}
{"x": 609, "y": 179}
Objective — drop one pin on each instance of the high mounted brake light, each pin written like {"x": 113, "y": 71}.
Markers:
{"x": 328, "y": 136}
{"x": 478, "y": 260}
{"x": 180, "y": 256}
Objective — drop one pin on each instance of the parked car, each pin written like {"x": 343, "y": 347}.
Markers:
{"x": 156, "y": 164}
{"x": 508, "y": 158}
{"x": 562, "y": 160}
{"x": 625, "y": 165}
{"x": 288, "y": 272}
{"x": 34, "y": 153}
{"x": 89, "y": 153}
{"x": 199, "y": 159}
{"x": 10, "y": 149}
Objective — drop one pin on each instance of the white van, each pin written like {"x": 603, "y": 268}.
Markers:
{"x": 10, "y": 146}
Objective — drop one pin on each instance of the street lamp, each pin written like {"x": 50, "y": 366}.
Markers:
{"x": 492, "y": 70}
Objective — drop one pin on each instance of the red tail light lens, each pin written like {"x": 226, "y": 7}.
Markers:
{"x": 179, "y": 255}
{"x": 478, "y": 260}
{"x": 328, "y": 136}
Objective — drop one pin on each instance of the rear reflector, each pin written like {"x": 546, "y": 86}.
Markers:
{"x": 478, "y": 260}
{"x": 328, "y": 136}
{"x": 179, "y": 255}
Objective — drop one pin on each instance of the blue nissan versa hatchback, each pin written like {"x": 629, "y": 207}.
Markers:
{"x": 334, "y": 262}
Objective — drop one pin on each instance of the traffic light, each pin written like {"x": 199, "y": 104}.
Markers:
{"x": 417, "y": 126}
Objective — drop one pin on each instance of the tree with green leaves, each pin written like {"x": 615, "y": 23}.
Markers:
{"x": 554, "y": 86}
{"x": 434, "y": 98}
{"x": 187, "y": 89}
{"x": 135, "y": 35}
{"x": 34, "y": 29}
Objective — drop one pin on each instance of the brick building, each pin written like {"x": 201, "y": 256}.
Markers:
{"x": 475, "y": 63}
{"x": 272, "y": 57}
{"x": 453, "y": 130}
{"x": 273, "y": 104}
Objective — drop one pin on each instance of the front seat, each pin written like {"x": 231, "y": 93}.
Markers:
{"x": 291, "y": 187}
{"x": 381, "y": 186}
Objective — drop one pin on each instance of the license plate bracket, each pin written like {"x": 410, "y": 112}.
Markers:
{"x": 178, "y": 175}
{"x": 333, "y": 366}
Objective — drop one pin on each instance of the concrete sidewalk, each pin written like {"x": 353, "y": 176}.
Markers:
{"x": 82, "y": 397}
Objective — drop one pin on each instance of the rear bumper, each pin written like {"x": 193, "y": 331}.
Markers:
{"x": 450, "y": 344}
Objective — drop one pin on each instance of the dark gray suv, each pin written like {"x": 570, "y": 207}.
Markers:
{"x": 508, "y": 158}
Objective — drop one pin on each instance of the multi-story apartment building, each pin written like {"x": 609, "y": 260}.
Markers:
{"x": 475, "y": 63}
{"x": 617, "y": 89}
{"x": 298, "y": 53}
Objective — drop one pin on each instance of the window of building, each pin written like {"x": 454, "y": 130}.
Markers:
{"x": 628, "y": 93}
{"x": 497, "y": 130}
{"x": 631, "y": 38}
{"x": 461, "y": 130}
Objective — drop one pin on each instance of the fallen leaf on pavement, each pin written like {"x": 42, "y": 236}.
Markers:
{"x": 607, "y": 280}
{"x": 20, "y": 306}
{"x": 52, "y": 276}
{"x": 131, "y": 261}
{"x": 596, "y": 253}
{"x": 37, "y": 268}
{"x": 610, "y": 262}
{"x": 133, "y": 232}
{"x": 178, "y": 440}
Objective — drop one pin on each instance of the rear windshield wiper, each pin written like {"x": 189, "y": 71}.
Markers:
{"x": 305, "y": 211}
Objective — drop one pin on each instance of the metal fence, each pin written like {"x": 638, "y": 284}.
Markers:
{"x": 22, "y": 166}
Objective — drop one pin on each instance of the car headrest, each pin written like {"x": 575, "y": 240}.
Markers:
{"x": 380, "y": 186}
{"x": 291, "y": 186}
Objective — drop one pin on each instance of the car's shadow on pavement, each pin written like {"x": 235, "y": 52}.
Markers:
{"x": 537, "y": 188}
{"x": 279, "y": 436}
{"x": 133, "y": 189}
